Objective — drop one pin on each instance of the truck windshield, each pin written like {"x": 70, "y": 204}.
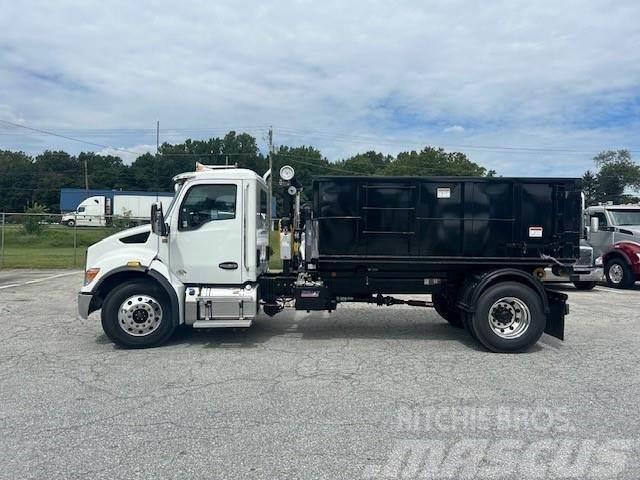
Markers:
{"x": 625, "y": 217}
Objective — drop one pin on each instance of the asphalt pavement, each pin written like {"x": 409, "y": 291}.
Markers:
{"x": 364, "y": 392}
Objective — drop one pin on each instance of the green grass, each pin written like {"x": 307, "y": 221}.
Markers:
{"x": 60, "y": 257}
{"x": 53, "y": 248}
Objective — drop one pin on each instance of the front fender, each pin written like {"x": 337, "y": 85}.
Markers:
{"x": 628, "y": 250}
{"x": 130, "y": 259}
{"x": 91, "y": 297}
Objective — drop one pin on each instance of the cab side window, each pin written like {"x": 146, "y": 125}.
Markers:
{"x": 207, "y": 203}
{"x": 80, "y": 209}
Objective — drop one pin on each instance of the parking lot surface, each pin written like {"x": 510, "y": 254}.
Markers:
{"x": 363, "y": 392}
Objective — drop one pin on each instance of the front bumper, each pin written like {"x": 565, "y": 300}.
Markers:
{"x": 84, "y": 304}
{"x": 594, "y": 275}
{"x": 580, "y": 275}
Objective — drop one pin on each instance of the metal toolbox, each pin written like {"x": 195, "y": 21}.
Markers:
{"x": 219, "y": 303}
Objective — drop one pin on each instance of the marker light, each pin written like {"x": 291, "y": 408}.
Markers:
{"x": 90, "y": 274}
{"x": 287, "y": 172}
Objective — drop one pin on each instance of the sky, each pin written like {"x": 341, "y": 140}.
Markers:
{"x": 525, "y": 88}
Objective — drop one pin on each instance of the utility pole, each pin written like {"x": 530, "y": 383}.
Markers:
{"x": 86, "y": 175}
{"x": 270, "y": 184}
{"x": 157, "y": 153}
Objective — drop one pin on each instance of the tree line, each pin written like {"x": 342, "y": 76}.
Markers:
{"x": 26, "y": 179}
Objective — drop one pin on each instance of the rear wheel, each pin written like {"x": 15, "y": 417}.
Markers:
{"x": 618, "y": 273}
{"x": 584, "y": 285}
{"x": 509, "y": 317}
{"x": 447, "y": 310}
{"x": 137, "y": 314}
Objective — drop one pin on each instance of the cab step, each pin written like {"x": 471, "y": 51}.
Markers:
{"x": 221, "y": 323}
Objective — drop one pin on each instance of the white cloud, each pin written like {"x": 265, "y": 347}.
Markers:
{"x": 7, "y": 114}
{"x": 128, "y": 154}
{"x": 345, "y": 76}
{"x": 454, "y": 129}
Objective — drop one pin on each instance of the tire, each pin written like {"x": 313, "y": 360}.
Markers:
{"x": 619, "y": 274}
{"x": 271, "y": 310}
{"x": 468, "y": 325}
{"x": 509, "y": 317}
{"x": 71, "y": 223}
{"x": 584, "y": 285}
{"x": 446, "y": 310}
{"x": 137, "y": 314}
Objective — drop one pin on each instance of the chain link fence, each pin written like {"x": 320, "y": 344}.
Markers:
{"x": 30, "y": 240}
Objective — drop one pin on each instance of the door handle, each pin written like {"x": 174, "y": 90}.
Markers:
{"x": 228, "y": 265}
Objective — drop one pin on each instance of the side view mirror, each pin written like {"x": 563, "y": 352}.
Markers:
{"x": 158, "y": 226}
{"x": 595, "y": 224}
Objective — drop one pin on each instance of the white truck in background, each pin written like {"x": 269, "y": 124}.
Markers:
{"x": 101, "y": 210}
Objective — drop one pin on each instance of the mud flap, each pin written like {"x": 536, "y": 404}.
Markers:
{"x": 558, "y": 308}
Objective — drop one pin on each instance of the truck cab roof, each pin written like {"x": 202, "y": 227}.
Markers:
{"x": 627, "y": 206}
{"x": 211, "y": 173}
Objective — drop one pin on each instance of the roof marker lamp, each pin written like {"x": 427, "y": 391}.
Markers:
{"x": 287, "y": 172}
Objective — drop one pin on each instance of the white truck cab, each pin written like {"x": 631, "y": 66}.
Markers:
{"x": 90, "y": 212}
{"x": 198, "y": 263}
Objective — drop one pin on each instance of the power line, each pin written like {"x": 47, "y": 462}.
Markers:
{"x": 68, "y": 138}
{"x": 293, "y": 132}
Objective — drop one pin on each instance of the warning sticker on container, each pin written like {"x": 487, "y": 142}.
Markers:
{"x": 443, "y": 193}
{"x": 535, "y": 232}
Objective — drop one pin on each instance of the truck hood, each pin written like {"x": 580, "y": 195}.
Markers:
{"x": 136, "y": 244}
{"x": 631, "y": 228}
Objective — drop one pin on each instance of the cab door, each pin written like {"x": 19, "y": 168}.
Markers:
{"x": 601, "y": 239}
{"x": 205, "y": 237}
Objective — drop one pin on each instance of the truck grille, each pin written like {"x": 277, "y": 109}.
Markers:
{"x": 586, "y": 256}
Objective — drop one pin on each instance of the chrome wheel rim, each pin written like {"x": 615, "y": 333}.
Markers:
{"x": 616, "y": 274}
{"x": 509, "y": 317}
{"x": 140, "y": 315}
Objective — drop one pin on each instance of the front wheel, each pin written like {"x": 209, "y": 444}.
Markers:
{"x": 71, "y": 223}
{"x": 509, "y": 317}
{"x": 137, "y": 314}
{"x": 584, "y": 285}
{"x": 618, "y": 273}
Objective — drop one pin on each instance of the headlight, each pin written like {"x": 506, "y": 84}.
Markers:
{"x": 90, "y": 274}
{"x": 599, "y": 262}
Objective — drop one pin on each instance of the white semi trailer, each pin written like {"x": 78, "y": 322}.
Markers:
{"x": 100, "y": 210}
